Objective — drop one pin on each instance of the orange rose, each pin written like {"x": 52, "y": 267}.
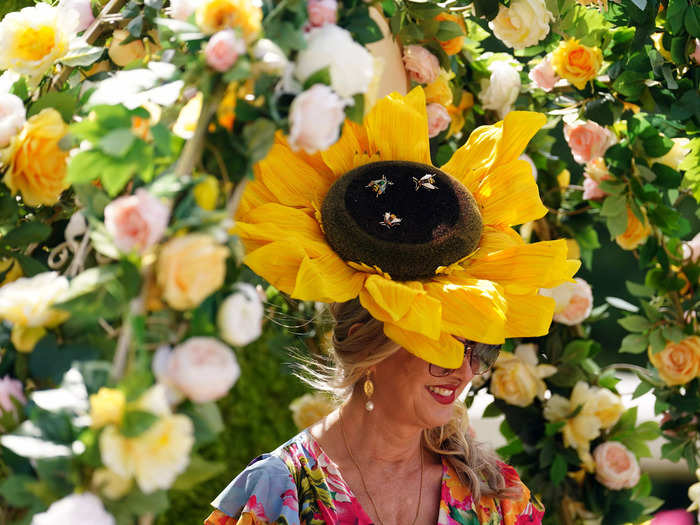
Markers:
{"x": 576, "y": 63}
{"x": 453, "y": 45}
{"x": 36, "y": 163}
{"x": 635, "y": 234}
{"x": 457, "y": 112}
{"x": 678, "y": 363}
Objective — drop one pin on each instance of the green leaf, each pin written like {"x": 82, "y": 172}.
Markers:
{"x": 635, "y": 323}
{"x": 673, "y": 333}
{"x": 617, "y": 224}
{"x": 64, "y": 102}
{"x": 136, "y": 422}
{"x": 259, "y": 137}
{"x": 638, "y": 290}
{"x": 491, "y": 410}
{"x": 614, "y": 205}
{"x": 198, "y": 471}
{"x": 642, "y": 389}
{"x": 356, "y": 112}
{"x": 634, "y": 344}
{"x": 26, "y": 233}
{"x": 557, "y": 472}
{"x": 551, "y": 429}
{"x": 322, "y": 76}
{"x": 692, "y": 21}
{"x": 657, "y": 341}
{"x": 117, "y": 142}
{"x": 82, "y": 55}
{"x": 629, "y": 84}
{"x": 666, "y": 177}
{"x": 16, "y": 490}
{"x": 30, "y": 266}
{"x": 363, "y": 29}
{"x": 673, "y": 451}
{"x": 576, "y": 351}
{"x": 207, "y": 420}
{"x": 448, "y": 30}
{"x": 675, "y": 15}
{"x": 140, "y": 504}
{"x": 240, "y": 71}
{"x": 657, "y": 146}
{"x": 86, "y": 166}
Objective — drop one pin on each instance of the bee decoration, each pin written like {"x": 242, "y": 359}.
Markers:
{"x": 426, "y": 181}
{"x": 390, "y": 220}
{"x": 379, "y": 186}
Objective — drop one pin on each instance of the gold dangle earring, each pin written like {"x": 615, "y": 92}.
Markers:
{"x": 369, "y": 391}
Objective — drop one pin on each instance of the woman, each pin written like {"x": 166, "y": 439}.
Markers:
{"x": 419, "y": 262}
{"x": 397, "y": 451}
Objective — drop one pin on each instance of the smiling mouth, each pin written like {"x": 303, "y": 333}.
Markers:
{"x": 442, "y": 394}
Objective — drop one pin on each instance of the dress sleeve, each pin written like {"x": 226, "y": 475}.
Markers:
{"x": 264, "y": 493}
{"x": 523, "y": 511}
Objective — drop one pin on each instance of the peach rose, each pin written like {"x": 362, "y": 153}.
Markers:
{"x": 616, "y": 467}
{"x": 189, "y": 269}
{"x": 691, "y": 249}
{"x": 311, "y": 408}
{"x": 543, "y": 75}
{"x": 587, "y": 140}
{"x": 574, "y": 301}
{"x": 635, "y": 234}
{"x": 315, "y": 117}
{"x": 438, "y": 119}
{"x": 223, "y": 49}
{"x": 453, "y": 45}
{"x": 591, "y": 190}
{"x": 577, "y": 63}
{"x": 36, "y": 163}
{"x": 678, "y": 363}
{"x": 136, "y": 222}
{"x": 423, "y": 67}
{"x": 322, "y": 12}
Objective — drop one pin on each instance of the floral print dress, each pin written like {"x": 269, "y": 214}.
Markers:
{"x": 298, "y": 484}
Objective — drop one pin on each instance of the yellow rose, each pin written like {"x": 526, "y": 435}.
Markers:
{"x": 439, "y": 90}
{"x": 635, "y": 234}
{"x": 215, "y": 15}
{"x": 190, "y": 268}
{"x": 34, "y": 38}
{"x": 678, "y": 363}
{"x": 576, "y": 63}
{"x": 454, "y": 45}
{"x": 517, "y": 378}
{"x": 36, "y": 165}
{"x": 606, "y": 406}
{"x": 13, "y": 269}
{"x": 206, "y": 193}
{"x": 310, "y": 408}
{"x": 107, "y": 407}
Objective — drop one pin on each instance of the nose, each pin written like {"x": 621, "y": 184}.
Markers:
{"x": 464, "y": 372}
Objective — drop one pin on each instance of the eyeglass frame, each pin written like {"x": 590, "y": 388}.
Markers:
{"x": 469, "y": 348}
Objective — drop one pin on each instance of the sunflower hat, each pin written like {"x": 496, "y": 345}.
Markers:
{"x": 429, "y": 251}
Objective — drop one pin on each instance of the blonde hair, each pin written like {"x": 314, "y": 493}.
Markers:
{"x": 351, "y": 355}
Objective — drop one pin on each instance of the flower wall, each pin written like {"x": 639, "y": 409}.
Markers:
{"x": 128, "y": 130}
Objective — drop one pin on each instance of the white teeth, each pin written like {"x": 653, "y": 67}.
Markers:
{"x": 440, "y": 391}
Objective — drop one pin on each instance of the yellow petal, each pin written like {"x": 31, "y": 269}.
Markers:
{"x": 255, "y": 194}
{"x": 446, "y": 351}
{"x": 271, "y": 222}
{"x": 341, "y": 156}
{"x": 471, "y": 308}
{"x": 508, "y": 195}
{"x": 25, "y": 338}
{"x": 327, "y": 278}
{"x": 529, "y": 315}
{"x": 538, "y": 265}
{"x": 405, "y": 303}
{"x": 278, "y": 263}
{"x": 497, "y": 238}
{"x": 397, "y": 128}
{"x": 518, "y": 129}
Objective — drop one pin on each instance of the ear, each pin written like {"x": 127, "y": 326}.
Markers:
{"x": 354, "y": 328}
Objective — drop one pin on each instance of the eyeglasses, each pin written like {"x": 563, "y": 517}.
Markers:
{"x": 480, "y": 356}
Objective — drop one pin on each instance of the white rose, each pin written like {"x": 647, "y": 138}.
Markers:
{"x": 674, "y": 157}
{"x": 182, "y": 9}
{"x": 83, "y": 9}
{"x": 202, "y": 368}
{"x": 136, "y": 222}
{"x": 616, "y": 467}
{"x": 315, "y": 118}
{"x": 523, "y": 24}
{"x": 691, "y": 249}
{"x": 240, "y": 316}
{"x": 502, "y": 88}
{"x": 270, "y": 57}
{"x": 12, "y": 117}
{"x": 77, "y": 509}
{"x": 351, "y": 65}
{"x": 574, "y": 301}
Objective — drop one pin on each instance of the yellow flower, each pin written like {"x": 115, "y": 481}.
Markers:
{"x": 206, "y": 193}
{"x": 187, "y": 119}
{"x": 190, "y": 268}
{"x": 439, "y": 90}
{"x": 226, "y": 112}
{"x": 34, "y": 38}
{"x": 107, "y": 407}
{"x": 310, "y": 408}
{"x": 454, "y": 45}
{"x": 657, "y": 38}
{"x": 13, "y": 269}
{"x": 564, "y": 179}
{"x": 577, "y": 63}
{"x": 457, "y": 113}
{"x": 36, "y": 164}
{"x": 111, "y": 484}
{"x": 487, "y": 296}
{"x": 635, "y": 234}
{"x": 215, "y": 15}
{"x": 678, "y": 363}
{"x": 517, "y": 378}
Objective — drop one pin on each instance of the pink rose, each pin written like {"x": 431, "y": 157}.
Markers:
{"x": 315, "y": 117}
{"x": 136, "y": 222}
{"x": 574, "y": 301}
{"x": 673, "y": 517}
{"x": 616, "y": 467}
{"x": 422, "y": 66}
{"x": 322, "y": 12}
{"x": 12, "y": 117}
{"x": 591, "y": 190}
{"x": 695, "y": 55}
{"x": 691, "y": 249}
{"x": 594, "y": 173}
{"x": 84, "y": 10}
{"x": 182, "y": 9}
{"x": 438, "y": 119}
{"x": 223, "y": 50}
{"x": 10, "y": 392}
{"x": 543, "y": 75}
{"x": 202, "y": 368}
{"x": 587, "y": 140}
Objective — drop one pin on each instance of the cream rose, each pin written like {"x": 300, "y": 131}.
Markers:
{"x": 691, "y": 249}
{"x": 606, "y": 406}
{"x": 12, "y": 117}
{"x": 674, "y": 157}
{"x": 223, "y": 49}
{"x": 34, "y": 38}
{"x": 422, "y": 66}
{"x": 76, "y": 508}
{"x": 240, "y": 316}
{"x": 11, "y": 395}
{"x": 310, "y": 408}
{"x": 502, "y": 88}
{"x": 588, "y": 140}
{"x": 36, "y": 164}
{"x": 616, "y": 467}
{"x": 111, "y": 484}
{"x": 83, "y": 9}
{"x": 187, "y": 119}
{"x": 522, "y": 24}
{"x": 136, "y": 222}
{"x": 438, "y": 119}
{"x": 351, "y": 65}
{"x": 322, "y": 12}
{"x": 518, "y": 378}
{"x": 694, "y": 494}
{"x": 635, "y": 234}
{"x": 189, "y": 269}
{"x": 574, "y": 301}
{"x": 315, "y": 118}
{"x": 678, "y": 363}
{"x": 543, "y": 75}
